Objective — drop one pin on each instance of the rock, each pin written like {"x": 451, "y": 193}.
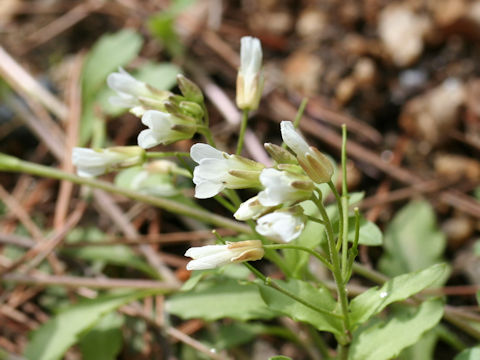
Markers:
{"x": 431, "y": 115}
{"x": 303, "y": 71}
{"x": 402, "y": 32}
{"x": 457, "y": 167}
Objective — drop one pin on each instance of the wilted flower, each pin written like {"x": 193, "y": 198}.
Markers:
{"x": 316, "y": 165}
{"x": 94, "y": 162}
{"x": 164, "y": 129}
{"x": 251, "y": 209}
{"x": 218, "y": 170}
{"x": 134, "y": 94}
{"x": 211, "y": 256}
{"x": 282, "y": 225}
{"x": 249, "y": 78}
{"x": 282, "y": 186}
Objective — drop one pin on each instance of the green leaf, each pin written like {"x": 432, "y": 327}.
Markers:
{"x": 220, "y": 298}
{"x": 412, "y": 240}
{"x": 423, "y": 349}
{"x": 399, "y": 288}
{"x": 385, "y": 340}
{"x": 105, "y": 340}
{"x": 108, "y": 53}
{"x": 57, "y": 335}
{"x": 112, "y": 254}
{"x": 321, "y": 298}
{"x": 469, "y": 354}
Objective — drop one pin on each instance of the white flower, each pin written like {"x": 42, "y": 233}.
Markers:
{"x": 134, "y": 94}
{"x": 218, "y": 170}
{"x": 163, "y": 129}
{"x": 281, "y": 225}
{"x": 211, "y": 256}
{"x": 251, "y": 209}
{"x": 282, "y": 186}
{"x": 249, "y": 78}
{"x": 316, "y": 165}
{"x": 94, "y": 162}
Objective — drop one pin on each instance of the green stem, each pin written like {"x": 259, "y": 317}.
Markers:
{"x": 206, "y": 117}
{"x": 300, "y": 111}
{"x": 225, "y": 203}
{"x": 338, "y": 200}
{"x": 13, "y": 164}
{"x": 243, "y": 127}
{"x": 344, "y": 214}
{"x": 301, "y": 248}
{"x": 314, "y": 219}
{"x": 159, "y": 155}
{"x": 269, "y": 282}
{"x": 207, "y": 134}
{"x": 335, "y": 261}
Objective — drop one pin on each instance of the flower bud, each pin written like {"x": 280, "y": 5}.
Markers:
{"x": 251, "y": 209}
{"x": 94, "y": 162}
{"x": 317, "y": 166}
{"x": 249, "y": 78}
{"x": 189, "y": 89}
{"x": 279, "y": 154}
{"x": 212, "y": 256}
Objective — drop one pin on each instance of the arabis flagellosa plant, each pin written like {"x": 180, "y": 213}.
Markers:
{"x": 249, "y": 78}
{"x": 94, "y": 162}
{"x": 316, "y": 165}
{"x": 217, "y": 170}
{"x": 211, "y": 256}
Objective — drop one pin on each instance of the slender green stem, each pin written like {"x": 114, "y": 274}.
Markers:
{"x": 344, "y": 201}
{"x": 338, "y": 200}
{"x": 301, "y": 248}
{"x": 342, "y": 352}
{"x": 243, "y": 128}
{"x": 314, "y": 219}
{"x": 159, "y": 155}
{"x": 206, "y": 117}
{"x": 271, "y": 283}
{"x": 300, "y": 111}
{"x": 13, "y": 164}
{"x": 225, "y": 203}
{"x": 335, "y": 261}
{"x": 207, "y": 134}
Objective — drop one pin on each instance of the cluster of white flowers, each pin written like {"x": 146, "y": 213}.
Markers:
{"x": 283, "y": 186}
{"x": 171, "y": 118}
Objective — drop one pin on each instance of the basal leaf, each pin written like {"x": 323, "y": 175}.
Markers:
{"x": 399, "y": 288}
{"x": 412, "y": 240}
{"x": 385, "y": 340}
{"x": 469, "y": 354}
{"x": 105, "y": 340}
{"x": 57, "y": 335}
{"x": 220, "y": 298}
{"x": 321, "y": 298}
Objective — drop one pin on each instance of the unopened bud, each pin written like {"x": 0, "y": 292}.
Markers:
{"x": 189, "y": 89}
{"x": 279, "y": 154}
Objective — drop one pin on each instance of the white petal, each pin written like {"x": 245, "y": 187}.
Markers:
{"x": 207, "y": 189}
{"x": 147, "y": 139}
{"x": 158, "y": 121}
{"x": 212, "y": 169}
{"x": 123, "y": 82}
{"x": 201, "y": 151}
{"x": 201, "y": 251}
{"x": 292, "y": 138}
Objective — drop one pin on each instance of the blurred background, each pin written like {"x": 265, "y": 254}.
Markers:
{"x": 403, "y": 75}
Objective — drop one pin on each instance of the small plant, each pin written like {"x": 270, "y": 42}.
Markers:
{"x": 288, "y": 222}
